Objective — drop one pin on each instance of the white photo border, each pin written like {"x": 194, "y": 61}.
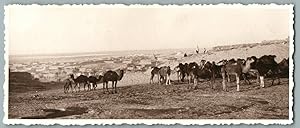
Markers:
{"x": 153, "y": 121}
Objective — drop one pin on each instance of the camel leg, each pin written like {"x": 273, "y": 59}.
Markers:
{"x": 237, "y": 82}
{"x": 169, "y": 79}
{"x": 195, "y": 82}
{"x": 68, "y": 87}
{"x": 189, "y": 78}
{"x": 151, "y": 78}
{"x": 78, "y": 87}
{"x": 212, "y": 81}
{"x": 159, "y": 79}
{"x": 71, "y": 87}
{"x": 166, "y": 80}
{"x": 246, "y": 79}
{"x": 88, "y": 86}
{"x": 75, "y": 86}
{"x": 178, "y": 77}
{"x": 113, "y": 86}
{"x": 65, "y": 88}
{"x": 182, "y": 77}
{"x": 212, "y": 84}
{"x": 257, "y": 77}
{"x": 112, "y": 83}
{"x": 249, "y": 82}
{"x": 273, "y": 79}
{"x": 116, "y": 86}
{"x": 107, "y": 86}
{"x": 228, "y": 77}
{"x": 95, "y": 86}
{"x": 104, "y": 87}
{"x": 262, "y": 83}
{"x": 224, "y": 81}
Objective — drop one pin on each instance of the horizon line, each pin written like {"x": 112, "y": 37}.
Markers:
{"x": 86, "y": 52}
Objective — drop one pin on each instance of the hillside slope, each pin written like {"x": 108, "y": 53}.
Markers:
{"x": 280, "y": 49}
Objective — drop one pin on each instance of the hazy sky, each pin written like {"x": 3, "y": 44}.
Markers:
{"x": 37, "y": 29}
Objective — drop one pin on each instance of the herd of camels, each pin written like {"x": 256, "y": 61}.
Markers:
{"x": 240, "y": 68}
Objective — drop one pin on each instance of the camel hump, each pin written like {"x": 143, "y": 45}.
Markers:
{"x": 110, "y": 73}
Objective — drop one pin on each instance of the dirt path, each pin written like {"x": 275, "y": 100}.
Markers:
{"x": 157, "y": 101}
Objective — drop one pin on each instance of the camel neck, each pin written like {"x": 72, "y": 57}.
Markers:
{"x": 73, "y": 78}
{"x": 121, "y": 75}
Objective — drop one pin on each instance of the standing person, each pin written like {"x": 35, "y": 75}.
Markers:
{"x": 197, "y": 50}
{"x": 185, "y": 55}
{"x": 155, "y": 57}
{"x": 204, "y": 50}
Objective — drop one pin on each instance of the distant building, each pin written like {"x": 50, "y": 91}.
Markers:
{"x": 108, "y": 61}
{"x": 144, "y": 62}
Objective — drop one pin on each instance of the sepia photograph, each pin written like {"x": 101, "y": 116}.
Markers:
{"x": 151, "y": 64}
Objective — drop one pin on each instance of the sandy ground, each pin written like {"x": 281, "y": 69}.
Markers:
{"x": 157, "y": 101}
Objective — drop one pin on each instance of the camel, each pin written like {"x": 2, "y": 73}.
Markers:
{"x": 182, "y": 71}
{"x": 177, "y": 70}
{"x": 155, "y": 71}
{"x": 264, "y": 65}
{"x": 190, "y": 67}
{"x": 68, "y": 85}
{"x": 114, "y": 77}
{"x": 231, "y": 69}
{"x": 82, "y": 79}
{"x": 247, "y": 69}
{"x": 205, "y": 70}
{"x": 284, "y": 68}
{"x": 164, "y": 74}
{"x": 223, "y": 62}
{"x": 94, "y": 80}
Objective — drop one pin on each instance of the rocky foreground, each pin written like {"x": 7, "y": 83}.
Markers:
{"x": 157, "y": 101}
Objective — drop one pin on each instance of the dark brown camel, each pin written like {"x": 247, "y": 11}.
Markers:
{"x": 284, "y": 68}
{"x": 154, "y": 71}
{"x": 217, "y": 70}
{"x": 114, "y": 77}
{"x": 94, "y": 80}
{"x": 190, "y": 69}
{"x": 82, "y": 79}
{"x": 207, "y": 70}
{"x": 264, "y": 65}
{"x": 182, "y": 71}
